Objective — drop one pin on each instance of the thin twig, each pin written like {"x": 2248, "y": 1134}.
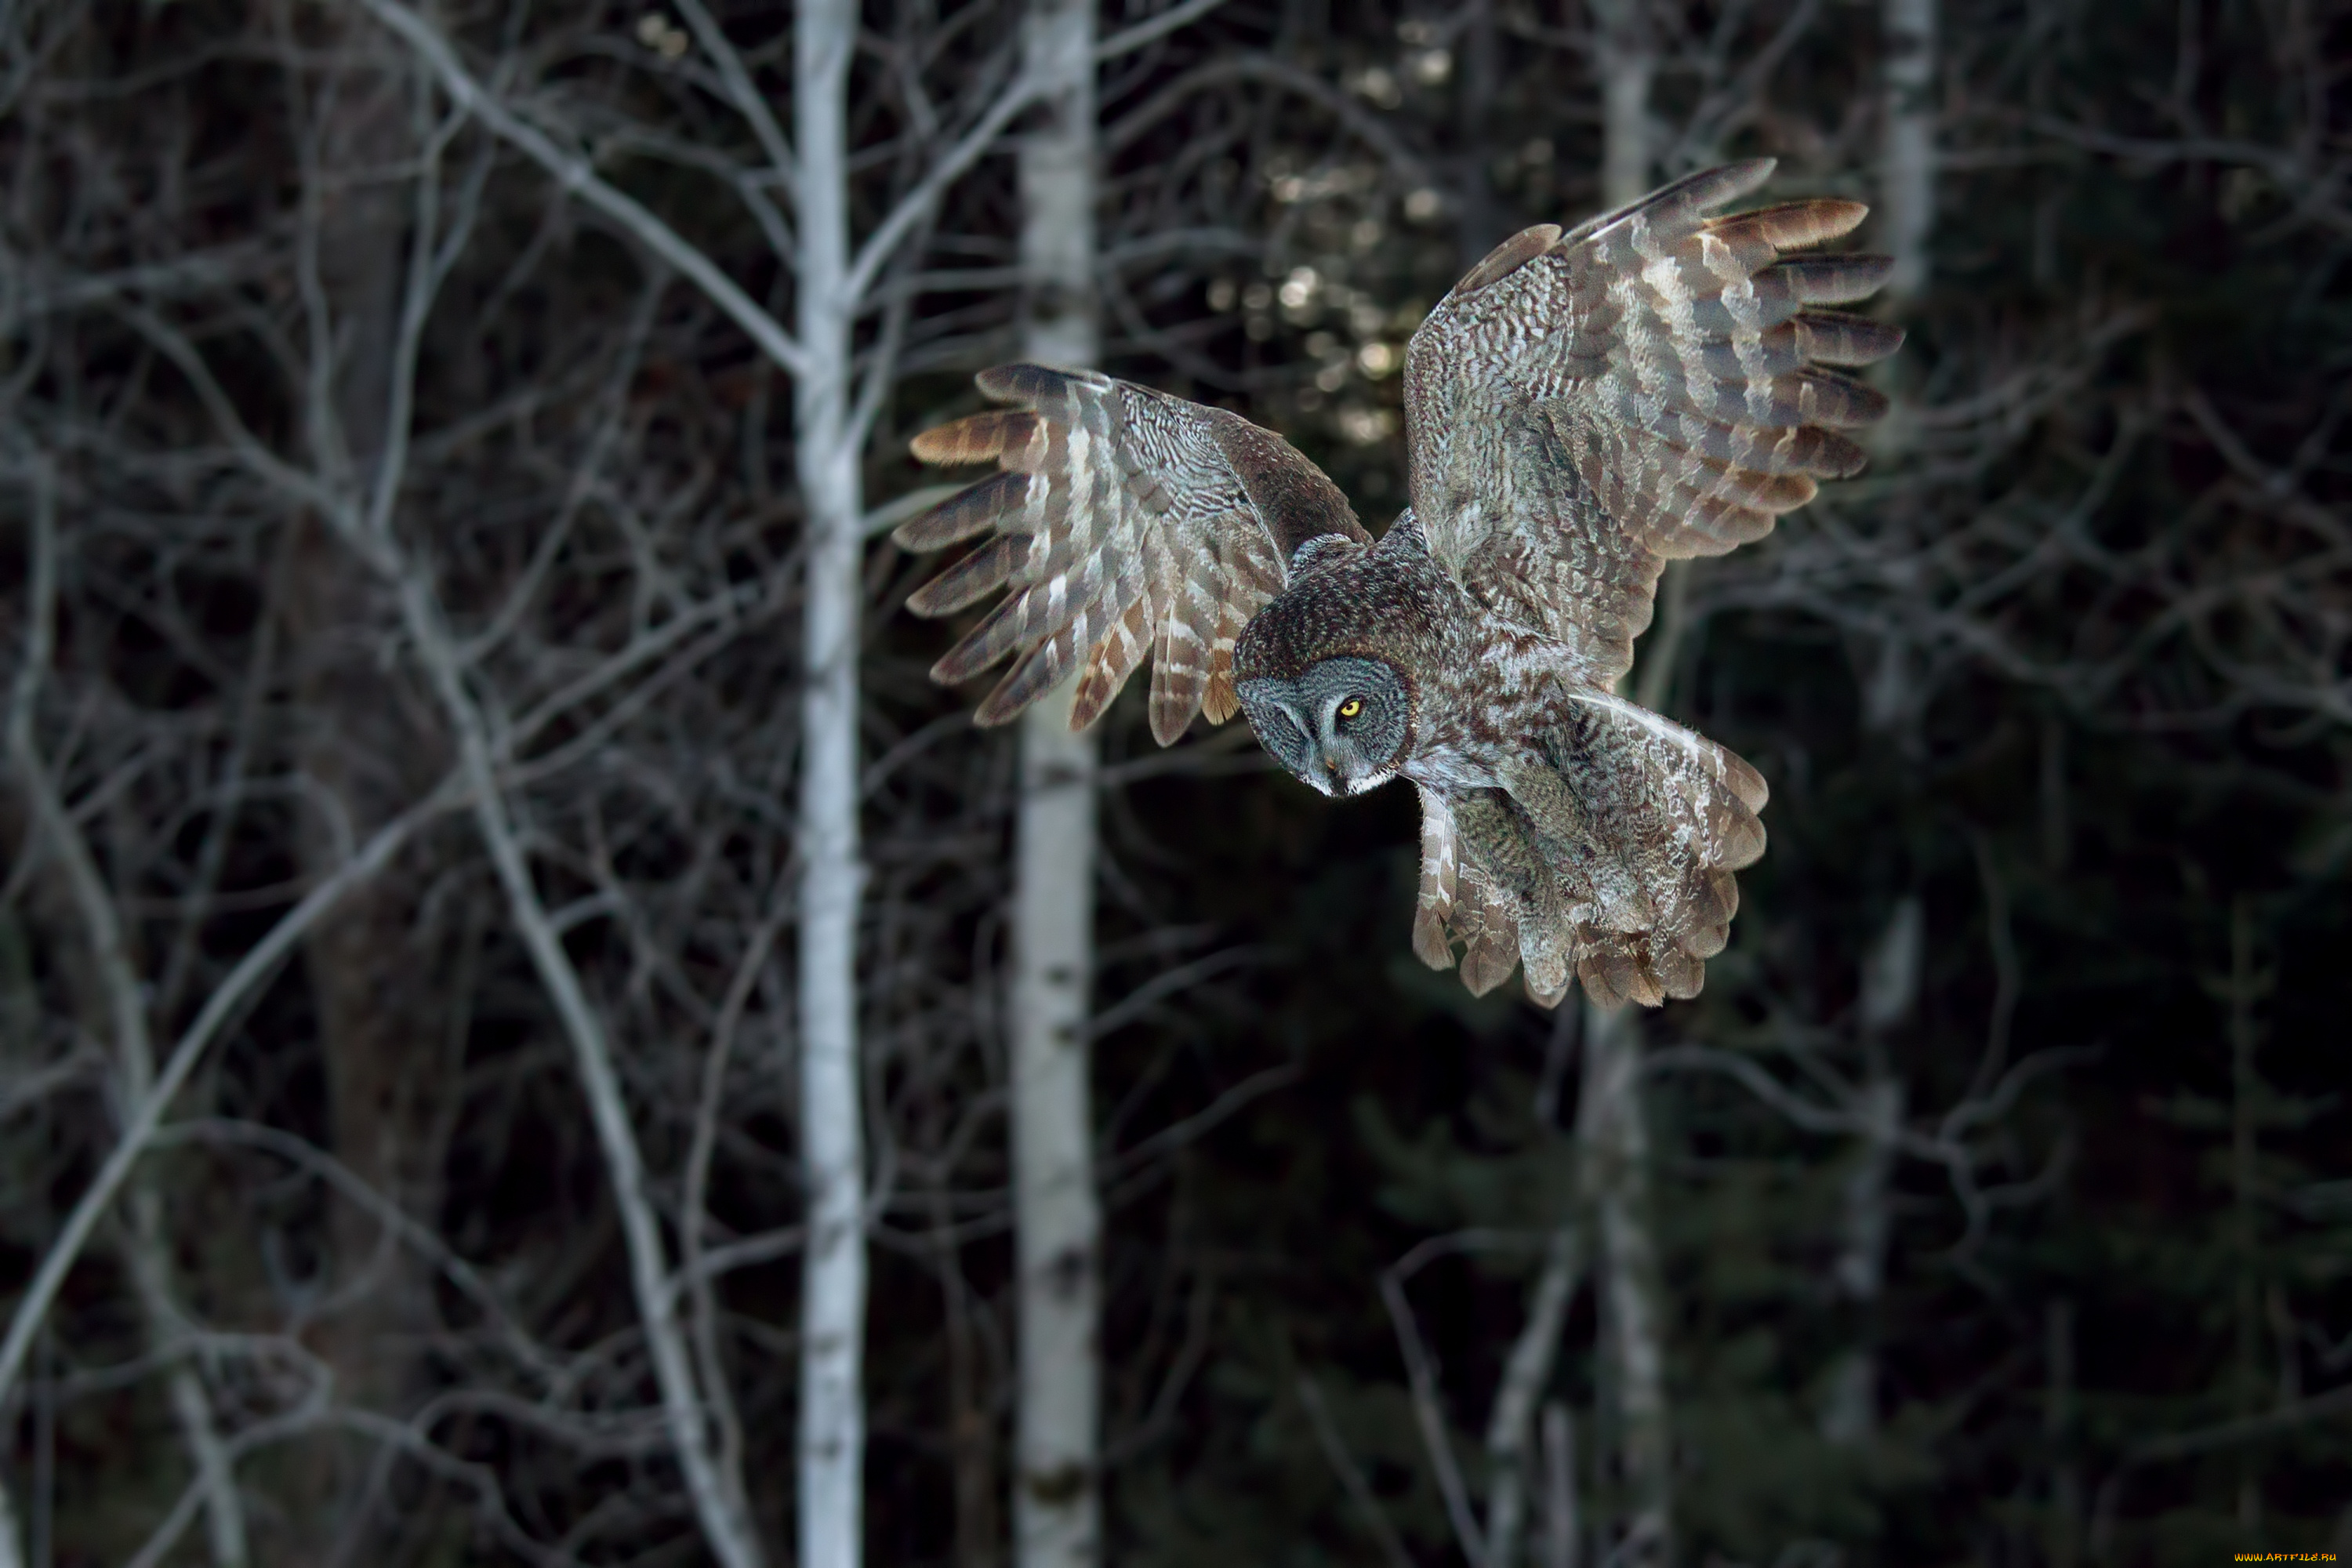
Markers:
{"x": 1128, "y": 39}
{"x": 1351, "y": 1476}
{"x": 139, "y": 1126}
{"x": 576, "y": 174}
{"x": 723, "y": 1519}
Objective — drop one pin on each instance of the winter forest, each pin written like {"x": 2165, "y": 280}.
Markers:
{"x": 530, "y": 1031}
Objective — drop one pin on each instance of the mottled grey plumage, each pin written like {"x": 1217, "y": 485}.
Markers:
{"x": 1581, "y": 408}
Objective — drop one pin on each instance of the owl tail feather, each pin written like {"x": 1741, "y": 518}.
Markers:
{"x": 1606, "y": 857}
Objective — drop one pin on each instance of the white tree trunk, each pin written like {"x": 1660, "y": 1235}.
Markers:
{"x": 1058, "y": 1221}
{"x": 1850, "y": 1415}
{"x": 1056, "y": 1506}
{"x": 828, "y": 435}
{"x": 1890, "y": 988}
{"x": 832, "y": 1439}
{"x": 1628, "y": 61}
{"x": 1612, "y": 1127}
{"x": 1907, "y": 171}
{"x": 1614, "y": 1170}
{"x": 1057, "y": 187}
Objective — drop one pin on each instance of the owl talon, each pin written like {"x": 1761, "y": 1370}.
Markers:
{"x": 1487, "y": 965}
{"x": 1548, "y": 1000}
{"x": 1489, "y": 929}
{"x": 1429, "y": 943}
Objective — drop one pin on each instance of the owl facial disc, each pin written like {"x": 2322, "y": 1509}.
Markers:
{"x": 1340, "y": 726}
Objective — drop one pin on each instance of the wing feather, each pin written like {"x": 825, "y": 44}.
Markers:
{"x": 1124, "y": 524}
{"x": 1585, "y": 407}
{"x": 966, "y": 513}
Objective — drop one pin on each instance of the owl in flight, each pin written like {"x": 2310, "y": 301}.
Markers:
{"x": 1580, "y": 409}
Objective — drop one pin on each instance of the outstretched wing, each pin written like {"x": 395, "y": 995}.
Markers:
{"x": 1124, "y": 520}
{"x": 1583, "y": 407}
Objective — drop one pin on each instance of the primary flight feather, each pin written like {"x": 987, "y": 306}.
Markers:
{"x": 1581, "y": 408}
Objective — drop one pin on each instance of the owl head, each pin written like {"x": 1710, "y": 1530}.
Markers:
{"x": 1317, "y": 670}
{"x": 1341, "y": 724}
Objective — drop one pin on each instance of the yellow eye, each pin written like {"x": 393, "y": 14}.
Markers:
{"x": 1350, "y": 707}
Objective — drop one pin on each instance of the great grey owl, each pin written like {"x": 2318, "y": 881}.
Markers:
{"x": 1581, "y": 408}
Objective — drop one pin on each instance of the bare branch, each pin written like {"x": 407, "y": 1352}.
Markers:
{"x": 139, "y": 1124}
{"x": 576, "y": 174}
{"x": 716, "y": 1497}
{"x": 1126, "y": 40}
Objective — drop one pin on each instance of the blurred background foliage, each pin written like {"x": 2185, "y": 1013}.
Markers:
{"x": 2053, "y": 701}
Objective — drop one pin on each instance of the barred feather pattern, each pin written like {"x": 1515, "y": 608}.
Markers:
{"x": 1565, "y": 830}
{"x": 1125, "y": 522}
{"x": 1434, "y": 906}
{"x": 1608, "y": 854}
{"x": 1583, "y": 407}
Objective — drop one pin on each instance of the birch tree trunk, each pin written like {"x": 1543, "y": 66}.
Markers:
{"x": 1615, "y": 1172}
{"x": 1890, "y": 988}
{"x": 829, "y": 429}
{"x": 1478, "y": 217}
{"x": 832, "y": 1438}
{"x": 1612, "y": 1127}
{"x": 1890, "y": 981}
{"x": 1907, "y": 170}
{"x": 1628, "y": 60}
{"x": 1057, "y": 1505}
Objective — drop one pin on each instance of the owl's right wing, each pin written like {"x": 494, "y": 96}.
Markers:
{"x": 1582, "y": 407}
{"x": 1123, "y": 521}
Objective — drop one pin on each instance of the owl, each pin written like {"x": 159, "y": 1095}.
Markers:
{"x": 1581, "y": 408}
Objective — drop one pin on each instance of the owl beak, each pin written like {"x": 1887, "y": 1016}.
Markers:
{"x": 1320, "y": 773}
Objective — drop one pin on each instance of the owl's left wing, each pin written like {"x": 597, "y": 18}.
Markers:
{"x": 1583, "y": 407}
{"x": 1125, "y": 521}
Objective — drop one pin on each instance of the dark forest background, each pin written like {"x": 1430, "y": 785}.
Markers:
{"x": 1997, "y": 1178}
